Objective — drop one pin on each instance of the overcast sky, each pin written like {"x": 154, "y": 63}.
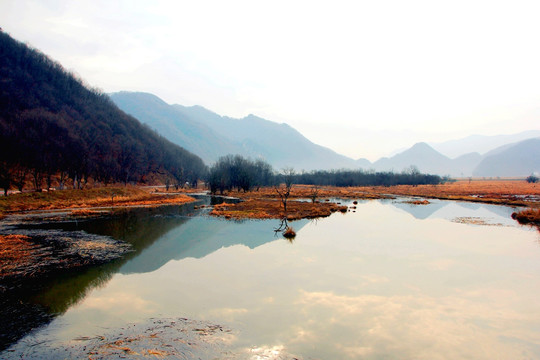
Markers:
{"x": 361, "y": 77}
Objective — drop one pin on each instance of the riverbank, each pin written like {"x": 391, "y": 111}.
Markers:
{"x": 85, "y": 200}
{"x": 501, "y": 192}
{"x": 265, "y": 202}
{"x": 27, "y": 254}
{"x": 273, "y": 209}
{"x": 30, "y": 253}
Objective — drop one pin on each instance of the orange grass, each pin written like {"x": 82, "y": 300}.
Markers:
{"x": 15, "y": 252}
{"x": 95, "y": 197}
{"x": 527, "y": 216}
{"x": 504, "y": 192}
{"x": 306, "y": 191}
{"x": 289, "y": 233}
{"x": 265, "y": 204}
{"x": 273, "y": 209}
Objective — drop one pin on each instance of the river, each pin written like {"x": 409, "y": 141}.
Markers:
{"x": 388, "y": 279}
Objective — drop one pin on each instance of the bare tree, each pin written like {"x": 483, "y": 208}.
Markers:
{"x": 284, "y": 190}
{"x": 314, "y": 193}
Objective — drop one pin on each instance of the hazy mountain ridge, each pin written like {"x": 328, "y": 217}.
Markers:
{"x": 518, "y": 159}
{"x": 211, "y": 135}
{"x": 480, "y": 143}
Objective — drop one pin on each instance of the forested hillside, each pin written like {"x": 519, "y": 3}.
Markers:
{"x": 54, "y": 128}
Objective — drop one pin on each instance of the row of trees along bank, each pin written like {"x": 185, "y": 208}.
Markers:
{"x": 236, "y": 172}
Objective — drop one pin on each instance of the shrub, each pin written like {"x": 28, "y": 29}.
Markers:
{"x": 289, "y": 233}
{"x": 527, "y": 216}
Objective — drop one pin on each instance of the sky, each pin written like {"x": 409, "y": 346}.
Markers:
{"x": 364, "y": 78}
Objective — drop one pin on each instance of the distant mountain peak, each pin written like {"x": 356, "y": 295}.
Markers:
{"x": 421, "y": 146}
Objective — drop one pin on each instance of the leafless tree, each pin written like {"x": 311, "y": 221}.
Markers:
{"x": 284, "y": 190}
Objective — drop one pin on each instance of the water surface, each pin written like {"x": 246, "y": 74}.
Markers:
{"x": 390, "y": 280}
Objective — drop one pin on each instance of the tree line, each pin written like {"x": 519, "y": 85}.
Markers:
{"x": 344, "y": 178}
{"x": 54, "y": 128}
{"x": 235, "y": 172}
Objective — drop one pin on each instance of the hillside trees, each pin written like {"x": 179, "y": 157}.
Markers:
{"x": 53, "y": 127}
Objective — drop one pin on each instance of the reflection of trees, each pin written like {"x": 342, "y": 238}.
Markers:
{"x": 285, "y": 230}
{"x": 40, "y": 301}
{"x": 140, "y": 227}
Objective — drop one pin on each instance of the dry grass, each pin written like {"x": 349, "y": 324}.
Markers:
{"x": 80, "y": 199}
{"x": 15, "y": 252}
{"x": 527, "y": 216}
{"x": 417, "y": 202}
{"x": 265, "y": 204}
{"x": 289, "y": 233}
{"x": 504, "y": 192}
{"x": 273, "y": 209}
{"x": 306, "y": 191}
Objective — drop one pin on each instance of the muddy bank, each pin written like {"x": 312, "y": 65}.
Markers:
{"x": 163, "y": 338}
{"x": 28, "y": 254}
{"x": 29, "y": 257}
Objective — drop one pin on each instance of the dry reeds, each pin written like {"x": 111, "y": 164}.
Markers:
{"x": 527, "y": 216}
{"x": 289, "y": 233}
{"x": 95, "y": 197}
{"x": 272, "y": 209}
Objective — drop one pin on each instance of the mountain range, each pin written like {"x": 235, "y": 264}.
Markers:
{"x": 210, "y": 136}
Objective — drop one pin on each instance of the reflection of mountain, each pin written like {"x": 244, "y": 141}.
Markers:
{"x": 420, "y": 212}
{"x": 443, "y": 209}
{"x": 201, "y": 236}
{"x": 40, "y": 303}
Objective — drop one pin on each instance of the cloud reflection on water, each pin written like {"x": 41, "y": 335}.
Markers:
{"x": 374, "y": 284}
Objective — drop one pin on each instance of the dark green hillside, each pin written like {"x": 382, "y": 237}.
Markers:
{"x": 53, "y": 127}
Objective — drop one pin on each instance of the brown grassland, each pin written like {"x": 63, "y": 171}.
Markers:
{"x": 304, "y": 202}
{"x": 503, "y": 192}
{"x": 88, "y": 198}
{"x": 273, "y": 209}
{"x": 265, "y": 203}
{"x": 528, "y": 216}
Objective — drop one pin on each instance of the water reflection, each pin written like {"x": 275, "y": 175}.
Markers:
{"x": 199, "y": 237}
{"x": 378, "y": 283}
{"x": 181, "y": 234}
{"x": 444, "y": 209}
